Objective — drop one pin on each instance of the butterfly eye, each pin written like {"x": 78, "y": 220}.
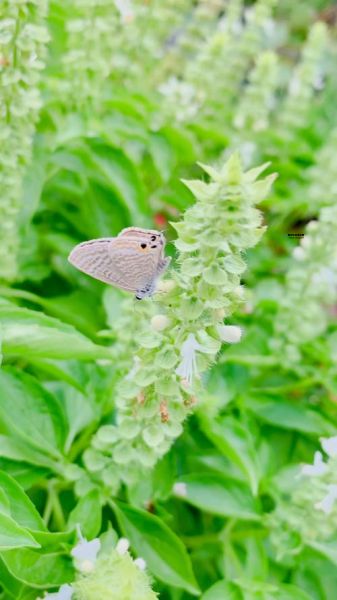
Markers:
{"x": 143, "y": 246}
{"x": 153, "y": 238}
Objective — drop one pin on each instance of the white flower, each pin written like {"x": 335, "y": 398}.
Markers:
{"x": 318, "y": 468}
{"x": 299, "y": 253}
{"x": 229, "y": 333}
{"x": 160, "y": 322}
{"x": 180, "y": 489}
{"x": 306, "y": 242}
{"x": 122, "y": 546}
{"x": 85, "y": 553}
{"x": 65, "y": 593}
{"x": 329, "y": 445}
{"x": 326, "y": 505}
{"x": 124, "y": 8}
{"x": 188, "y": 366}
{"x": 140, "y": 563}
{"x": 134, "y": 368}
{"x": 166, "y": 285}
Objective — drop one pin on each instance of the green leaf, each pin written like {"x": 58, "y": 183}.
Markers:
{"x": 291, "y": 592}
{"x": 222, "y": 590}
{"x": 327, "y": 549}
{"x": 220, "y": 495}
{"x": 163, "y": 551}
{"x": 113, "y": 166}
{"x": 290, "y": 415}
{"x": 88, "y": 514}
{"x": 55, "y": 541}
{"x": 235, "y": 442}
{"x": 30, "y": 333}
{"x": 80, "y": 411}
{"x": 39, "y": 570}
{"x": 12, "y": 586}
{"x": 14, "y": 536}
{"x": 18, "y": 450}
{"x": 30, "y": 412}
{"x": 25, "y": 474}
{"x": 21, "y": 507}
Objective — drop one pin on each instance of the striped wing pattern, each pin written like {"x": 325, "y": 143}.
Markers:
{"x": 128, "y": 261}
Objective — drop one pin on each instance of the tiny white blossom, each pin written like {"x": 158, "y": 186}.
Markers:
{"x": 65, "y": 593}
{"x": 166, "y": 285}
{"x": 329, "y": 445}
{"x": 140, "y": 563}
{"x": 306, "y": 242}
{"x": 229, "y": 333}
{"x": 326, "y": 505}
{"x": 299, "y": 253}
{"x": 188, "y": 366}
{"x": 180, "y": 489}
{"x": 85, "y": 553}
{"x": 318, "y": 468}
{"x": 122, "y": 546}
{"x": 160, "y": 322}
{"x": 134, "y": 368}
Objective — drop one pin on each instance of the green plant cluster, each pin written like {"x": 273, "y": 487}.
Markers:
{"x": 182, "y": 446}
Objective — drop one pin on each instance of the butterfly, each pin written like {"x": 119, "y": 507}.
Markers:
{"x": 132, "y": 261}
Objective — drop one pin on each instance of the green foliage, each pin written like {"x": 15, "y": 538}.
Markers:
{"x": 200, "y": 423}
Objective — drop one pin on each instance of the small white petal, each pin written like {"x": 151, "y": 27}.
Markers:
{"x": 329, "y": 445}
{"x": 140, "y": 563}
{"x": 229, "y": 333}
{"x": 160, "y": 322}
{"x": 134, "y": 368}
{"x": 65, "y": 593}
{"x": 180, "y": 489}
{"x": 86, "y": 566}
{"x": 318, "y": 468}
{"x": 306, "y": 242}
{"x": 166, "y": 285}
{"x": 326, "y": 505}
{"x": 299, "y": 253}
{"x": 85, "y": 554}
{"x": 187, "y": 368}
{"x": 122, "y": 546}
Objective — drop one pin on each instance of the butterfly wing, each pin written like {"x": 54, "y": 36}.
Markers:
{"x": 94, "y": 258}
{"x": 117, "y": 261}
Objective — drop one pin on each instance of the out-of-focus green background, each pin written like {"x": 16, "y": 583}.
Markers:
{"x": 104, "y": 108}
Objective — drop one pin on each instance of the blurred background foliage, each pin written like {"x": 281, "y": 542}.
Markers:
{"x": 105, "y": 106}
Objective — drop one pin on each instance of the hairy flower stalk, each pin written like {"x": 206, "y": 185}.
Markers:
{"x": 87, "y": 62}
{"x": 310, "y": 287}
{"x": 259, "y": 96}
{"x": 311, "y": 515}
{"x": 222, "y": 64}
{"x": 323, "y": 188}
{"x": 23, "y": 40}
{"x": 306, "y": 78}
{"x": 188, "y": 330}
